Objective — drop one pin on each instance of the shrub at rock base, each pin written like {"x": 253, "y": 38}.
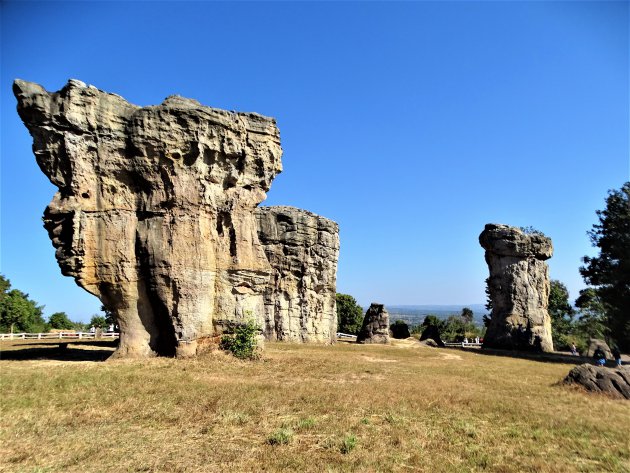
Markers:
{"x": 243, "y": 344}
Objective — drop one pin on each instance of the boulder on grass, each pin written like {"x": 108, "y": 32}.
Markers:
{"x": 612, "y": 381}
{"x": 431, "y": 332}
{"x": 375, "y": 327}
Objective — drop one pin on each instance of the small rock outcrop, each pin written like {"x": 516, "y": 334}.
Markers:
{"x": 303, "y": 249}
{"x": 399, "y": 330}
{"x": 156, "y": 216}
{"x": 519, "y": 288}
{"x": 594, "y": 344}
{"x": 375, "y": 328}
{"x": 612, "y": 381}
{"x": 431, "y": 332}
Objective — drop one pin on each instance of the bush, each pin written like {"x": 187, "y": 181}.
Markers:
{"x": 349, "y": 315}
{"x": 60, "y": 321}
{"x": 348, "y": 444}
{"x": 243, "y": 343}
{"x": 400, "y": 330}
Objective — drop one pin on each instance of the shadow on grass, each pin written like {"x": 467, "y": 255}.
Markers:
{"x": 59, "y": 351}
{"x": 533, "y": 356}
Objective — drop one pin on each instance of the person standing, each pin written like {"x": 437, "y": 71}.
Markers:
{"x": 574, "y": 349}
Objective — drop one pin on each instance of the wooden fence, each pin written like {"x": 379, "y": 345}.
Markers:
{"x": 463, "y": 345}
{"x": 58, "y": 335}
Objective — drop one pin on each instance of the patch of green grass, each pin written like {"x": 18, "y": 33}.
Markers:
{"x": 348, "y": 444}
{"x": 306, "y": 424}
{"x": 280, "y": 437}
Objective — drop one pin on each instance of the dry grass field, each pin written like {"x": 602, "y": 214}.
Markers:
{"x": 303, "y": 408}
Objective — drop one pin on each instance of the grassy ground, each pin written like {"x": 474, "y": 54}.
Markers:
{"x": 305, "y": 408}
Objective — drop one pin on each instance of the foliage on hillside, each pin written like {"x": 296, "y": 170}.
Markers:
{"x": 609, "y": 272}
{"x": 349, "y": 314}
{"x": 19, "y": 313}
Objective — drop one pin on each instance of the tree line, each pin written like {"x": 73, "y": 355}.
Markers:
{"x": 453, "y": 328}
{"x": 20, "y": 313}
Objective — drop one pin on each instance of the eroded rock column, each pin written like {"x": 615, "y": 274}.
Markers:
{"x": 303, "y": 249}
{"x": 375, "y": 328}
{"x": 519, "y": 288}
{"x": 155, "y": 209}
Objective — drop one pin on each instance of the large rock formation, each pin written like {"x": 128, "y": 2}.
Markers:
{"x": 519, "y": 288}
{"x": 612, "y": 381}
{"x": 303, "y": 249}
{"x": 375, "y": 328}
{"x": 594, "y": 344}
{"x": 155, "y": 210}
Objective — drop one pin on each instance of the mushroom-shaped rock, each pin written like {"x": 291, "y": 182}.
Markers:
{"x": 375, "y": 328}
{"x": 155, "y": 215}
{"x": 518, "y": 287}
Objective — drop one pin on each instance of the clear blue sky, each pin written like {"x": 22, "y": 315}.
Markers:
{"x": 410, "y": 124}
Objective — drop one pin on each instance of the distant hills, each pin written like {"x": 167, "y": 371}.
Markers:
{"x": 415, "y": 314}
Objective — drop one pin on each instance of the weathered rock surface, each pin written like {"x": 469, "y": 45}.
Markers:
{"x": 612, "y": 381}
{"x": 519, "y": 288}
{"x": 375, "y": 328}
{"x": 155, "y": 209}
{"x": 303, "y": 249}
{"x": 594, "y": 343}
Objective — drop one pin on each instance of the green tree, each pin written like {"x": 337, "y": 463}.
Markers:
{"x": 109, "y": 317}
{"x": 98, "y": 321}
{"x": 60, "y": 321}
{"x": 562, "y": 315}
{"x": 609, "y": 272}
{"x": 455, "y": 328}
{"x": 467, "y": 315}
{"x": 19, "y": 313}
{"x": 592, "y": 321}
{"x": 349, "y": 315}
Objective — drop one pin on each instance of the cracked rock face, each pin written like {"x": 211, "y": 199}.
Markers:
{"x": 519, "y": 288}
{"x": 155, "y": 215}
{"x": 375, "y": 327}
{"x": 303, "y": 249}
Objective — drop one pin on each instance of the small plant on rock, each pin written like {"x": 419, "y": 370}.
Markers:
{"x": 243, "y": 343}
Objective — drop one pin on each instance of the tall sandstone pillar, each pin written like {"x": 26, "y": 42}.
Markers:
{"x": 519, "y": 288}
{"x": 155, "y": 213}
